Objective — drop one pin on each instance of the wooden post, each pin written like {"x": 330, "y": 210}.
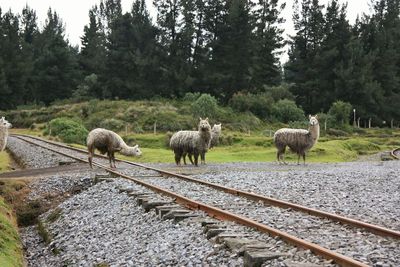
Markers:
{"x": 391, "y": 123}
{"x": 369, "y": 123}
{"x": 325, "y": 123}
{"x": 155, "y": 127}
{"x": 358, "y": 122}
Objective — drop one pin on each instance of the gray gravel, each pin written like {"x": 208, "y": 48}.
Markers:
{"x": 33, "y": 157}
{"x": 364, "y": 190}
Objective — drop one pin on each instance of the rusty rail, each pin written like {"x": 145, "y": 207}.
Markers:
{"x": 376, "y": 229}
{"x": 225, "y": 215}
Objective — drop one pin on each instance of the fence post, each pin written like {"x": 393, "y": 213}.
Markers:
{"x": 155, "y": 127}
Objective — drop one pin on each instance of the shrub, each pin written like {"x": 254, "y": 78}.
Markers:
{"x": 68, "y": 130}
{"x": 280, "y": 92}
{"x": 205, "y": 106}
{"x": 113, "y": 124}
{"x": 191, "y": 97}
{"x": 258, "y": 104}
{"x": 286, "y": 110}
{"x": 340, "y": 112}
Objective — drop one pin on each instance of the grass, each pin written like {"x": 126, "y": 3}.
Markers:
{"x": 256, "y": 149}
{"x": 241, "y": 147}
{"x": 4, "y": 161}
{"x": 10, "y": 245}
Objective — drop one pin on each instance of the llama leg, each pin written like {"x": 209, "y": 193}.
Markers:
{"x": 90, "y": 159}
{"x": 196, "y": 158}
{"x": 304, "y": 158}
{"x": 184, "y": 157}
{"x": 298, "y": 159}
{"x": 177, "y": 157}
{"x": 113, "y": 159}
{"x": 190, "y": 158}
{"x": 203, "y": 157}
{"x": 109, "y": 158}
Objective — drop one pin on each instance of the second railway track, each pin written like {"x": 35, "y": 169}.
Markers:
{"x": 344, "y": 239}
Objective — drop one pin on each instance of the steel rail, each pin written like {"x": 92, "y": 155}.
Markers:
{"x": 394, "y": 153}
{"x": 226, "y": 215}
{"x": 376, "y": 229}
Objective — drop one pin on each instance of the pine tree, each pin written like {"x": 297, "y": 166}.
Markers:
{"x": 56, "y": 70}
{"x": 266, "y": 44}
{"x": 12, "y": 68}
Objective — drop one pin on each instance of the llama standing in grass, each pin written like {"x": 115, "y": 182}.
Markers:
{"x": 215, "y": 133}
{"x": 4, "y": 126}
{"x": 109, "y": 142}
{"x": 194, "y": 142}
{"x": 298, "y": 140}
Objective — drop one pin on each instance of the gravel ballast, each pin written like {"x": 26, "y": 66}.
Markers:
{"x": 102, "y": 225}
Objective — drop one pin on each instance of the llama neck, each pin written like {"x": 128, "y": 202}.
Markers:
{"x": 314, "y": 131}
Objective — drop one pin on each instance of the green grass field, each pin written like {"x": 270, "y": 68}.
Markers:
{"x": 257, "y": 147}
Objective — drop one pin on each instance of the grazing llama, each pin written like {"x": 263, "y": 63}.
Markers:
{"x": 109, "y": 142}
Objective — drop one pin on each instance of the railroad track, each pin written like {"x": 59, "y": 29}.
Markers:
{"x": 222, "y": 213}
{"x": 395, "y": 153}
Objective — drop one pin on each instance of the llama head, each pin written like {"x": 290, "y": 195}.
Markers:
{"x": 133, "y": 151}
{"x": 313, "y": 120}
{"x": 5, "y": 123}
{"x": 216, "y": 128}
{"x": 204, "y": 125}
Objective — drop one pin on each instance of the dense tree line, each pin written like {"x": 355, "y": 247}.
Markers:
{"x": 331, "y": 60}
{"x": 224, "y": 48}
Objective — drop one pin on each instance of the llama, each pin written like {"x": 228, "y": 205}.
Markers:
{"x": 298, "y": 140}
{"x": 107, "y": 141}
{"x": 194, "y": 142}
{"x": 215, "y": 133}
{"x": 4, "y": 126}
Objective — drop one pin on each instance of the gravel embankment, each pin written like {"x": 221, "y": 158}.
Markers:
{"x": 34, "y": 157}
{"x": 349, "y": 241}
{"x": 103, "y": 225}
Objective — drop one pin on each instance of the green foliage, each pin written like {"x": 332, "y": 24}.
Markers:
{"x": 340, "y": 112}
{"x": 205, "y": 106}
{"x": 286, "y": 110}
{"x": 113, "y": 124}
{"x": 68, "y": 130}
{"x": 259, "y": 104}
{"x": 191, "y": 97}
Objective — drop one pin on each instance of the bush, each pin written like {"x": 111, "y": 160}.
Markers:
{"x": 113, "y": 124}
{"x": 286, "y": 110}
{"x": 68, "y": 130}
{"x": 280, "y": 92}
{"x": 191, "y": 97}
{"x": 258, "y": 104}
{"x": 340, "y": 112}
{"x": 205, "y": 106}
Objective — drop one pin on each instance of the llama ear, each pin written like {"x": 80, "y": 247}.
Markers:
{"x": 316, "y": 116}
{"x": 207, "y": 119}
{"x": 200, "y": 118}
{"x": 309, "y": 116}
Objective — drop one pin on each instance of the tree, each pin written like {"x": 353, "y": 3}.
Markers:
{"x": 93, "y": 52}
{"x": 266, "y": 43}
{"x": 56, "y": 70}
{"x": 13, "y": 70}
{"x": 340, "y": 111}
